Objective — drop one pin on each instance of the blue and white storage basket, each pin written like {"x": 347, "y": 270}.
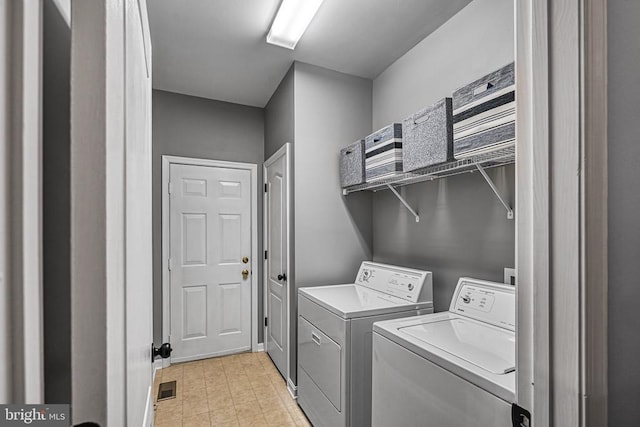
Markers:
{"x": 383, "y": 153}
{"x": 484, "y": 114}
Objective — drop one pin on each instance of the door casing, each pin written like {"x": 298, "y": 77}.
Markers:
{"x": 561, "y": 224}
{"x": 21, "y": 295}
{"x": 166, "y": 279}
{"x": 285, "y": 150}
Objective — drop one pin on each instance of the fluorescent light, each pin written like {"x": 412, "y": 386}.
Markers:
{"x": 292, "y": 20}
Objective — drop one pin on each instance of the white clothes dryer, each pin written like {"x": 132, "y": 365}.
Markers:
{"x": 335, "y": 333}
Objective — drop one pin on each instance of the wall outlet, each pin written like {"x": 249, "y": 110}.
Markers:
{"x": 510, "y": 276}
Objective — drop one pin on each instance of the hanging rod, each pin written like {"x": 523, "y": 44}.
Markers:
{"x": 404, "y": 202}
{"x": 495, "y": 191}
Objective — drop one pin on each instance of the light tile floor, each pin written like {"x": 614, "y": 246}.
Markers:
{"x": 239, "y": 390}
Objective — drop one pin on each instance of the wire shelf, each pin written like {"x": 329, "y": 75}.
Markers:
{"x": 501, "y": 157}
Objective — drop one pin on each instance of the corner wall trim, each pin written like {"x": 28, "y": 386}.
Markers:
{"x": 292, "y": 388}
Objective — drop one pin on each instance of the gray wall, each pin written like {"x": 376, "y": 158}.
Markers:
{"x": 279, "y": 128}
{"x": 322, "y": 111}
{"x": 332, "y": 233}
{"x": 331, "y": 111}
{"x": 624, "y": 205}
{"x": 196, "y": 127}
{"x": 56, "y": 140}
{"x": 463, "y": 228}
{"x": 279, "y": 116}
{"x": 474, "y": 42}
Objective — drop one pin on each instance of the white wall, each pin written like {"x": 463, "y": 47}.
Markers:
{"x": 624, "y": 205}
{"x": 463, "y": 228}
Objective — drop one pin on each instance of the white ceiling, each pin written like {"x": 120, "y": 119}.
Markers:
{"x": 216, "y": 48}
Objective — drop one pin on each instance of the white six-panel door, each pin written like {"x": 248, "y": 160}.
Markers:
{"x": 210, "y": 246}
{"x": 276, "y": 265}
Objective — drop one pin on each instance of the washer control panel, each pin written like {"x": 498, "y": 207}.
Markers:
{"x": 489, "y": 302}
{"x": 408, "y": 284}
{"x": 477, "y": 299}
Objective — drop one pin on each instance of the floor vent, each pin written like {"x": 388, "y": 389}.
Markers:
{"x": 167, "y": 391}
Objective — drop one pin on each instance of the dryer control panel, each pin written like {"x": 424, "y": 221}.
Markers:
{"x": 489, "y": 302}
{"x": 406, "y": 283}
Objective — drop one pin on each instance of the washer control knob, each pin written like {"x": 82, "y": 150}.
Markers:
{"x": 410, "y": 286}
{"x": 466, "y": 299}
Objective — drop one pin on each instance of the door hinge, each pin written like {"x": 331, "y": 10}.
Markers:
{"x": 170, "y": 262}
{"x": 265, "y": 255}
{"x": 266, "y": 322}
{"x": 169, "y": 187}
{"x": 265, "y": 188}
{"x": 520, "y": 417}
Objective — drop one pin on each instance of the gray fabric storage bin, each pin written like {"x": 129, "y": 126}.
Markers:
{"x": 427, "y": 136}
{"x": 383, "y": 152}
{"x": 484, "y": 113}
{"x": 352, "y": 164}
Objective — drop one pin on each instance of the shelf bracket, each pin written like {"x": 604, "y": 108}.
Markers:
{"x": 404, "y": 202}
{"x": 495, "y": 190}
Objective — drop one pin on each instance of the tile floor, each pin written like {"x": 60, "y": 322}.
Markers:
{"x": 239, "y": 390}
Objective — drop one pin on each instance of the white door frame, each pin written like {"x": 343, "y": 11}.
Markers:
{"x": 21, "y": 340}
{"x": 285, "y": 151}
{"x": 167, "y": 161}
{"x": 561, "y": 230}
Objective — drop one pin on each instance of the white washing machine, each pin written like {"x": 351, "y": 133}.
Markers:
{"x": 448, "y": 369}
{"x": 335, "y": 333}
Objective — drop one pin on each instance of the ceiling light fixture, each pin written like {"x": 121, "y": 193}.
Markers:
{"x": 292, "y": 20}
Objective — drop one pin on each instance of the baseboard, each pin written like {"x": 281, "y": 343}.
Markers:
{"x": 259, "y": 347}
{"x": 157, "y": 365}
{"x": 148, "y": 411}
{"x": 293, "y": 389}
{"x": 210, "y": 355}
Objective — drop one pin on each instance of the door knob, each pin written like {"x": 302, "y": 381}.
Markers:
{"x": 163, "y": 351}
{"x": 245, "y": 260}
{"x": 245, "y": 274}
{"x": 282, "y": 277}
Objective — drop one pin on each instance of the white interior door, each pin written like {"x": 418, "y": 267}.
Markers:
{"x": 210, "y": 273}
{"x": 277, "y": 263}
{"x": 139, "y": 240}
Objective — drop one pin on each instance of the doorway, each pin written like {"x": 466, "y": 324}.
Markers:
{"x": 277, "y": 277}
{"x": 209, "y": 256}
